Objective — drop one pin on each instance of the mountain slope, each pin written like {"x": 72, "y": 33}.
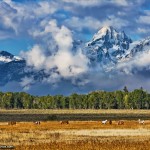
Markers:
{"x": 6, "y": 57}
{"x": 106, "y": 50}
{"x": 138, "y": 47}
{"x": 107, "y": 46}
{"x": 14, "y": 68}
{"x": 12, "y": 71}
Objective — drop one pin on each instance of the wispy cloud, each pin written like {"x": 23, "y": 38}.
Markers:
{"x": 92, "y": 3}
{"x": 144, "y": 19}
{"x": 67, "y": 64}
{"x": 53, "y": 25}
{"x": 137, "y": 63}
{"x": 19, "y": 18}
{"x": 81, "y": 23}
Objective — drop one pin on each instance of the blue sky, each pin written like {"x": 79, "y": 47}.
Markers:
{"x": 19, "y": 19}
{"x": 43, "y": 33}
{"x": 16, "y": 45}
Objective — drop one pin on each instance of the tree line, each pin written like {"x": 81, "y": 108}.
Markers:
{"x": 120, "y": 99}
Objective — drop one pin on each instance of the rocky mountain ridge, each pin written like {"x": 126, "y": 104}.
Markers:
{"x": 106, "y": 49}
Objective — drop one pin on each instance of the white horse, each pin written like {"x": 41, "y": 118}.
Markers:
{"x": 141, "y": 121}
{"x": 37, "y": 122}
{"x": 104, "y": 121}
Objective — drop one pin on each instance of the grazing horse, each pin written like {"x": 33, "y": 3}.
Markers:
{"x": 110, "y": 122}
{"x": 65, "y": 122}
{"x": 37, "y": 122}
{"x": 120, "y": 122}
{"x": 141, "y": 121}
{"x": 104, "y": 121}
{"x": 11, "y": 123}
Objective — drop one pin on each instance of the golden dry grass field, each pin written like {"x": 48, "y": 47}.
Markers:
{"x": 77, "y": 135}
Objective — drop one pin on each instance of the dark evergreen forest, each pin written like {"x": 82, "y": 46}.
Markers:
{"x": 121, "y": 99}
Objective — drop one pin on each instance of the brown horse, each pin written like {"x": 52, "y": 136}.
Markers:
{"x": 120, "y": 122}
{"x": 11, "y": 123}
{"x": 65, "y": 122}
{"x": 110, "y": 122}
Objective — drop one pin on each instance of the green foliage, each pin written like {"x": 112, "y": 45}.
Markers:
{"x": 137, "y": 99}
{"x": 125, "y": 89}
{"x": 119, "y": 96}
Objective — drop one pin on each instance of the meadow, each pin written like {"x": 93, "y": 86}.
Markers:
{"x": 88, "y": 134}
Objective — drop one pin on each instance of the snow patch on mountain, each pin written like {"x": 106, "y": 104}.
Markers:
{"x": 138, "y": 47}
{"x": 6, "y": 57}
{"x": 107, "y": 47}
{"x": 108, "y": 52}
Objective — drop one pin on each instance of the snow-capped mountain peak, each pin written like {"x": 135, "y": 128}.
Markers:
{"x": 108, "y": 50}
{"x": 6, "y": 57}
{"x": 107, "y": 46}
{"x": 104, "y": 31}
{"x": 109, "y": 34}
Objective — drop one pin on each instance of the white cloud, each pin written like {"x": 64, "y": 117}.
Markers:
{"x": 53, "y": 78}
{"x": 7, "y": 17}
{"x": 120, "y": 2}
{"x": 26, "y": 83}
{"x": 7, "y": 1}
{"x": 140, "y": 61}
{"x": 35, "y": 57}
{"x": 62, "y": 36}
{"x": 20, "y": 17}
{"x": 8, "y": 22}
{"x": 91, "y": 3}
{"x": 143, "y": 30}
{"x": 144, "y": 19}
{"x": 45, "y": 7}
{"x": 55, "y": 42}
{"x": 115, "y": 22}
{"x": 68, "y": 65}
{"x": 95, "y": 24}
{"x": 84, "y": 3}
{"x": 120, "y": 13}
{"x": 80, "y": 23}
{"x": 5, "y": 35}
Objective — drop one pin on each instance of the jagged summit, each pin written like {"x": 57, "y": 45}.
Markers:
{"x": 107, "y": 46}
{"x": 111, "y": 35}
{"x": 105, "y": 51}
{"x": 106, "y": 30}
